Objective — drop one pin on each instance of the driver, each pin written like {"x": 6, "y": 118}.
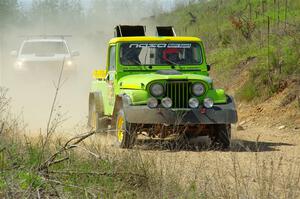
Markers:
{"x": 131, "y": 56}
{"x": 171, "y": 55}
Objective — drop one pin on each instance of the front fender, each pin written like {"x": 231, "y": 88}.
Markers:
{"x": 137, "y": 96}
{"x": 218, "y": 96}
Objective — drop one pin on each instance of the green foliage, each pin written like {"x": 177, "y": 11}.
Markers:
{"x": 59, "y": 14}
{"x": 124, "y": 176}
{"x": 29, "y": 180}
{"x": 247, "y": 92}
{"x": 236, "y": 30}
{"x": 9, "y": 13}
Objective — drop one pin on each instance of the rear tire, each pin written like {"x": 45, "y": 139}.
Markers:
{"x": 125, "y": 132}
{"x": 221, "y": 136}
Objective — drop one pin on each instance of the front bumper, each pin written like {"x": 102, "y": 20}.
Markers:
{"x": 219, "y": 114}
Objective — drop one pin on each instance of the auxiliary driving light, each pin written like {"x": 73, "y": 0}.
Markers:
{"x": 152, "y": 102}
{"x": 166, "y": 102}
{"x": 194, "y": 102}
{"x": 208, "y": 103}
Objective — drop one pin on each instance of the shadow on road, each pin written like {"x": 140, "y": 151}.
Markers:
{"x": 203, "y": 144}
{"x": 256, "y": 146}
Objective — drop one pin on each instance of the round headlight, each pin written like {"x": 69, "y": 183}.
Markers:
{"x": 152, "y": 102}
{"x": 166, "y": 102}
{"x": 194, "y": 102}
{"x": 157, "y": 90}
{"x": 198, "y": 89}
{"x": 208, "y": 103}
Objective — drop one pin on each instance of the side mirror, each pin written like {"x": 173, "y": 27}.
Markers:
{"x": 208, "y": 67}
{"x": 75, "y": 53}
{"x": 99, "y": 74}
{"x": 14, "y": 53}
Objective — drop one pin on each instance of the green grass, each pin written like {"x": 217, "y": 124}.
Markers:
{"x": 227, "y": 47}
{"x": 80, "y": 176}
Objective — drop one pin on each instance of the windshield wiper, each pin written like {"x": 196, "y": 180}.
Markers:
{"x": 172, "y": 63}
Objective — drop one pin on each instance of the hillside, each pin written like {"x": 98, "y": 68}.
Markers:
{"x": 253, "y": 47}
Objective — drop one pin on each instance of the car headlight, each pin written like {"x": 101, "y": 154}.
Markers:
{"x": 152, "y": 102}
{"x": 194, "y": 102}
{"x": 19, "y": 65}
{"x": 69, "y": 63}
{"x": 166, "y": 102}
{"x": 208, "y": 103}
{"x": 156, "y": 90}
{"x": 198, "y": 89}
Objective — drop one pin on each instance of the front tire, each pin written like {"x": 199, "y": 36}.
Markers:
{"x": 222, "y": 136}
{"x": 125, "y": 132}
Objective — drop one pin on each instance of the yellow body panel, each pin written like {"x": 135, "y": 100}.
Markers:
{"x": 99, "y": 74}
{"x": 153, "y": 39}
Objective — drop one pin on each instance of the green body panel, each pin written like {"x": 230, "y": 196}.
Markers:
{"x": 103, "y": 88}
{"x": 140, "y": 81}
{"x": 218, "y": 95}
{"x": 138, "y": 97}
{"x": 134, "y": 81}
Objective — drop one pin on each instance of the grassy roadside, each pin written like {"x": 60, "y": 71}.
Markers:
{"x": 97, "y": 172}
{"x": 75, "y": 173}
{"x": 86, "y": 168}
{"x": 77, "y": 167}
{"x": 238, "y": 31}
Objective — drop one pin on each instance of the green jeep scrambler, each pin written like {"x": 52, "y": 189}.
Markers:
{"x": 159, "y": 86}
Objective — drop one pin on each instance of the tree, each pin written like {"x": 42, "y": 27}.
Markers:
{"x": 9, "y": 16}
{"x": 9, "y": 13}
{"x": 56, "y": 14}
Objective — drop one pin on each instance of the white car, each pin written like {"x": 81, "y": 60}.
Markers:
{"x": 36, "y": 54}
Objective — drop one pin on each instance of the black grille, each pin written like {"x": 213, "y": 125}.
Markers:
{"x": 179, "y": 92}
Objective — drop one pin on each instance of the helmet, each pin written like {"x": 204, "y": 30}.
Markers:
{"x": 171, "y": 54}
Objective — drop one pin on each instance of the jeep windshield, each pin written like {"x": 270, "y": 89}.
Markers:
{"x": 160, "y": 53}
{"x": 44, "y": 48}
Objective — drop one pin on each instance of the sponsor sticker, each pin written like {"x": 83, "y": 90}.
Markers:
{"x": 160, "y": 45}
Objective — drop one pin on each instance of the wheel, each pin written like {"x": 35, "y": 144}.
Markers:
{"x": 96, "y": 120}
{"x": 125, "y": 132}
{"x": 222, "y": 136}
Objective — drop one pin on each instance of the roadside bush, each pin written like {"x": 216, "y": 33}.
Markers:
{"x": 247, "y": 92}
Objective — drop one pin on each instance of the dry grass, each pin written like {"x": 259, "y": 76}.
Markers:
{"x": 87, "y": 166}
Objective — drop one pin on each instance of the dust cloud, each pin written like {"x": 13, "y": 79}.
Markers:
{"x": 90, "y": 26}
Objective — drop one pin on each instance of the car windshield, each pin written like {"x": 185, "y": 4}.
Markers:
{"x": 44, "y": 48}
{"x": 175, "y": 53}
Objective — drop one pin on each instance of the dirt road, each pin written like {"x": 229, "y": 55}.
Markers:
{"x": 261, "y": 161}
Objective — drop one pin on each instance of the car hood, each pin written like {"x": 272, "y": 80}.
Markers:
{"x": 139, "y": 81}
{"x": 33, "y": 58}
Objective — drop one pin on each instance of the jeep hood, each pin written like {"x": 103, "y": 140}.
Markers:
{"x": 140, "y": 81}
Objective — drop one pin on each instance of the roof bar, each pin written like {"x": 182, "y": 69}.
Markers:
{"x": 165, "y": 31}
{"x": 129, "y": 31}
